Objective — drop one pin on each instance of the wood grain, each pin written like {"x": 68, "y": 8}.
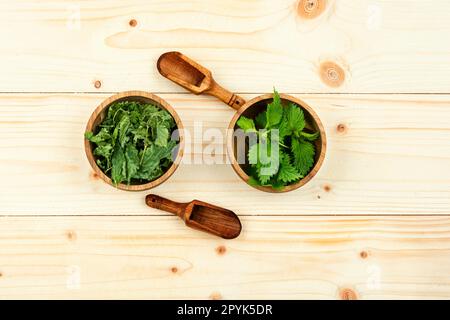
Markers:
{"x": 275, "y": 258}
{"x": 387, "y": 154}
{"x": 89, "y": 46}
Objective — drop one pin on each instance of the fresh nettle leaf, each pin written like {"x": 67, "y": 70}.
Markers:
{"x": 261, "y": 120}
{"x": 264, "y": 160}
{"x": 246, "y": 124}
{"x": 303, "y": 155}
{"x": 253, "y": 181}
{"x": 133, "y": 142}
{"x": 253, "y": 154}
{"x": 263, "y": 177}
{"x": 295, "y": 118}
{"x": 287, "y": 172}
{"x": 309, "y": 136}
{"x": 261, "y": 153}
{"x": 274, "y": 111}
{"x": 284, "y": 152}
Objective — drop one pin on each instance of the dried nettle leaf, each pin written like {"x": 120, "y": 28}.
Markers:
{"x": 133, "y": 143}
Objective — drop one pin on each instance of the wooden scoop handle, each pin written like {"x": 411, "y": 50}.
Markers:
{"x": 194, "y": 77}
{"x": 164, "y": 204}
{"x": 231, "y": 99}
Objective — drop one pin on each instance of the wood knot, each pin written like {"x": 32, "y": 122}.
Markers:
{"x": 310, "y": 9}
{"x": 327, "y": 188}
{"x": 71, "y": 235}
{"x": 341, "y": 128}
{"x": 133, "y": 23}
{"x": 363, "y": 254}
{"x": 221, "y": 250}
{"x": 215, "y": 296}
{"x": 332, "y": 74}
{"x": 174, "y": 269}
{"x": 1, "y": 274}
{"x": 348, "y": 294}
{"x": 97, "y": 84}
{"x": 94, "y": 176}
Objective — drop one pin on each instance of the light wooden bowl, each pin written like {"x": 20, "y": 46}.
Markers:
{"x": 255, "y": 106}
{"x": 99, "y": 115}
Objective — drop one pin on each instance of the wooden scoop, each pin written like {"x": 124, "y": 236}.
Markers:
{"x": 200, "y": 215}
{"x": 190, "y": 75}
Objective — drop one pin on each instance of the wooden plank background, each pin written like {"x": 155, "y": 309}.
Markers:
{"x": 374, "y": 223}
{"x": 276, "y": 258}
{"x": 384, "y": 46}
{"x": 392, "y": 158}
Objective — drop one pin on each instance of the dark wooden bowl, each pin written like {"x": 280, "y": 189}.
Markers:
{"x": 99, "y": 115}
{"x": 255, "y": 106}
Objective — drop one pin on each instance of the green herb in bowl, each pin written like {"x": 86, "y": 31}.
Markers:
{"x": 133, "y": 142}
{"x": 283, "y": 152}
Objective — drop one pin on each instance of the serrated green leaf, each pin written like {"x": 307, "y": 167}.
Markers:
{"x": 104, "y": 151}
{"x": 303, "y": 155}
{"x": 102, "y": 137}
{"x": 261, "y": 153}
{"x": 274, "y": 111}
{"x": 118, "y": 170}
{"x": 151, "y": 158}
{"x": 284, "y": 136}
{"x": 283, "y": 129}
{"x": 88, "y": 135}
{"x": 268, "y": 162}
{"x": 123, "y": 126}
{"x": 246, "y": 124}
{"x": 310, "y": 136}
{"x": 263, "y": 178}
{"x": 253, "y": 152}
{"x": 253, "y": 182}
{"x": 141, "y": 134}
{"x": 265, "y": 172}
{"x": 277, "y": 185}
{"x": 287, "y": 172}
{"x": 295, "y": 118}
{"x": 130, "y": 127}
{"x": 132, "y": 158}
{"x": 162, "y": 135}
{"x": 172, "y": 151}
{"x": 261, "y": 120}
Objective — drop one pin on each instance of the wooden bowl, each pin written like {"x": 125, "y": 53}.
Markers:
{"x": 99, "y": 115}
{"x": 255, "y": 106}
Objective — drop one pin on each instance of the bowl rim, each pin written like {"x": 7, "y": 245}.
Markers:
{"x": 158, "y": 101}
{"x": 230, "y": 143}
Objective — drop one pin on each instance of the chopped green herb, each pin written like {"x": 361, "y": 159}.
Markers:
{"x": 133, "y": 142}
